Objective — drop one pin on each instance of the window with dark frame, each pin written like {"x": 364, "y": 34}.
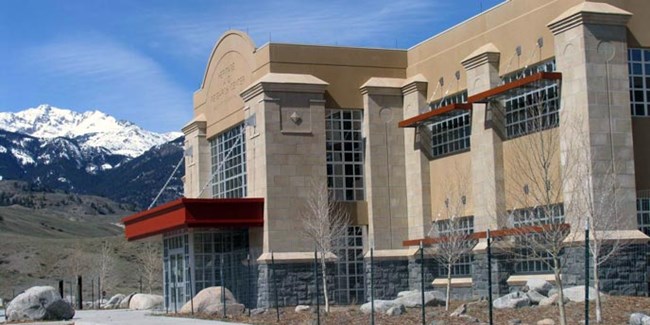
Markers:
{"x": 639, "y": 70}
{"x": 643, "y": 215}
{"x": 344, "y": 152}
{"x": 230, "y": 180}
{"x": 529, "y": 261}
{"x": 463, "y": 267}
{"x": 453, "y": 133}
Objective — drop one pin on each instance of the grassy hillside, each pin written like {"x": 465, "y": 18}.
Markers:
{"x": 47, "y": 236}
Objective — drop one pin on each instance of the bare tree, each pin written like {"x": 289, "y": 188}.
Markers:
{"x": 77, "y": 263}
{"x": 535, "y": 185}
{"x": 324, "y": 221}
{"x": 599, "y": 206}
{"x": 452, "y": 228}
{"x": 149, "y": 259}
{"x": 105, "y": 266}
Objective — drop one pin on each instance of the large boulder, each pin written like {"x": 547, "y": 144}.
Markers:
{"x": 381, "y": 306}
{"x": 143, "y": 301}
{"x": 639, "y": 319}
{"x": 552, "y": 300}
{"x": 39, "y": 303}
{"x": 124, "y": 303}
{"x": 539, "y": 285}
{"x": 412, "y": 299}
{"x": 535, "y": 297}
{"x": 512, "y": 300}
{"x": 209, "y": 301}
{"x": 114, "y": 302}
{"x": 577, "y": 293}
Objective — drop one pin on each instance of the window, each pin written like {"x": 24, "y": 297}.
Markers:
{"x": 643, "y": 214}
{"x": 229, "y": 157}
{"x": 344, "y": 148}
{"x": 463, "y": 267}
{"x": 211, "y": 248}
{"x": 528, "y": 260}
{"x": 453, "y": 133}
{"x": 639, "y": 68}
{"x": 349, "y": 267}
{"x": 532, "y": 110}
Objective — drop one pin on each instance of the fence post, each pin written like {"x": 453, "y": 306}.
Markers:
{"x": 189, "y": 277}
{"x": 275, "y": 287}
{"x": 141, "y": 284}
{"x": 79, "y": 292}
{"x": 372, "y": 289}
{"x": 250, "y": 291}
{"x": 92, "y": 293}
{"x": 174, "y": 274}
{"x": 424, "y": 317}
{"x": 489, "y": 265}
{"x": 316, "y": 283}
{"x": 60, "y": 290}
{"x": 587, "y": 273}
{"x": 223, "y": 287}
{"x": 99, "y": 293}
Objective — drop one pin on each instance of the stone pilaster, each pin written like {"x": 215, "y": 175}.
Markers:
{"x": 285, "y": 154}
{"x": 385, "y": 172}
{"x": 595, "y": 121}
{"x": 197, "y": 162}
{"x": 488, "y": 193}
{"x": 418, "y": 179}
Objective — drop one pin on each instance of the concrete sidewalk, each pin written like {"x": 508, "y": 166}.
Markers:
{"x": 125, "y": 316}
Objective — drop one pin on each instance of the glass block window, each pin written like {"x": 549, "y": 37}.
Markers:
{"x": 643, "y": 214}
{"x": 528, "y": 260}
{"x": 639, "y": 68}
{"x": 211, "y": 248}
{"x": 228, "y": 152}
{"x": 463, "y": 267}
{"x": 456, "y": 98}
{"x": 344, "y": 149}
{"x": 349, "y": 267}
{"x": 533, "y": 110}
{"x": 452, "y": 134}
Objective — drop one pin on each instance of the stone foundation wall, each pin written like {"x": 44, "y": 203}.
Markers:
{"x": 389, "y": 277}
{"x": 502, "y": 269}
{"x": 295, "y": 284}
{"x": 626, "y": 273}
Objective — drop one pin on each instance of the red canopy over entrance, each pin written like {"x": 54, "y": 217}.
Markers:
{"x": 190, "y": 213}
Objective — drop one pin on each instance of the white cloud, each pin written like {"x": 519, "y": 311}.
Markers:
{"x": 96, "y": 71}
{"x": 358, "y": 23}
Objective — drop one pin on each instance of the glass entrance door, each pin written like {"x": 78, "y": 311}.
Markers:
{"x": 177, "y": 283}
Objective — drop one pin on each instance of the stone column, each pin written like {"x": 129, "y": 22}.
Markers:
{"x": 197, "y": 163}
{"x": 591, "y": 54}
{"x": 384, "y": 163}
{"x": 488, "y": 192}
{"x": 418, "y": 179}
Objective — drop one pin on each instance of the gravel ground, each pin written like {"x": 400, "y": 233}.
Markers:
{"x": 616, "y": 311}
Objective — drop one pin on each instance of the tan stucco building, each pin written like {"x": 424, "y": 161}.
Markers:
{"x": 402, "y": 136}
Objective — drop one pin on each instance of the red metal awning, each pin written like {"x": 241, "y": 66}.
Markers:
{"x": 436, "y": 114}
{"x": 516, "y": 87}
{"x": 507, "y": 90}
{"x": 192, "y": 213}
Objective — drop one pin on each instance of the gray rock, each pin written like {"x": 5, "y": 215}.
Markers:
{"x": 639, "y": 319}
{"x": 514, "y": 321}
{"x": 39, "y": 303}
{"x": 396, "y": 310}
{"x": 552, "y": 300}
{"x": 59, "y": 310}
{"x": 412, "y": 299}
{"x": 459, "y": 311}
{"x": 539, "y": 285}
{"x": 552, "y": 292}
{"x": 114, "y": 302}
{"x": 124, "y": 303}
{"x": 546, "y": 321}
{"x": 535, "y": 297}
{"x": 577, "y": 293}
{"x": 258, "y": 311}
{"x": 209, "y": 301}
{"x": 142, "y": 301}
{"x": 380, "y": 306}
{"x": 512, "y": 300}
{"x": 301, "y": 308}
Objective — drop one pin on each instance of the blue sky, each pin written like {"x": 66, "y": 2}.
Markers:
{"x": 141, "y": 60}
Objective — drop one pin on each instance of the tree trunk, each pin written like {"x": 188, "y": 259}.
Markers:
{"x": 448, "y": 286}
{"x": 558, "y": 281}
{"x": 324, "y": 276}
{"x": 599, "y": 307}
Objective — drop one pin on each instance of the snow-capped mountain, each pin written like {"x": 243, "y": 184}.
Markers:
{"x": 91, "y": 129}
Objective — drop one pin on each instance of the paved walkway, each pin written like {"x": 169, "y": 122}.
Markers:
{"x": 125, "y": 316}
